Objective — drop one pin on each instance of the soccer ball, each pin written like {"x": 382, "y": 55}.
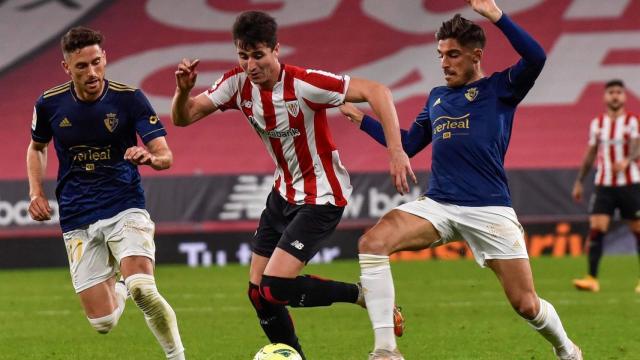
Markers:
{"x": 277, "y": 352}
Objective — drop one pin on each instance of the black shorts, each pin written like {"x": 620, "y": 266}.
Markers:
{"x": 296, "y": 229}
{"x": 606, "y": 199}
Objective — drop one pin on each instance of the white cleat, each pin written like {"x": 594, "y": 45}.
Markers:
{"x": 575, "y": 355}
{"x": 382, "y": 354}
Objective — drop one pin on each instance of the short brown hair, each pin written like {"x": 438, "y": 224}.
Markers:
{"x": 252, "y": 28}
{"x": 466, "y": 32}
{"x": 614, "y": 82}
{"x": 79, "y": 37}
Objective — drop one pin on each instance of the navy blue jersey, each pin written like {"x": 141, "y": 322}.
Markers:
{"x": 470, "y": 128}
{"x": 94, "y": 181}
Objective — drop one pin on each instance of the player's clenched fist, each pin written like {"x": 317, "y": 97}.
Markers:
{"x": 138, "y": 155}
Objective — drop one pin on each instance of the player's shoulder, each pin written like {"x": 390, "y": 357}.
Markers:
{"x": 120, "y": 87}
{"x": 54, "y": 92}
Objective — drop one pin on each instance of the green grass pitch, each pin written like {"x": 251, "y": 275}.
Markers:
{"x": 454, "y": 310}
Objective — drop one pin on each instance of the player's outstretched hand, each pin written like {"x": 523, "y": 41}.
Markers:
{"x": 39, "y": 208}
{"x": 352, "y": 113}
{"x": 186, "y": 74}
{"x": 138, "y": 155}
{"x": 400, "y": 168}
{"x": 576, "y": 193}
{"x": 486, "y": 8}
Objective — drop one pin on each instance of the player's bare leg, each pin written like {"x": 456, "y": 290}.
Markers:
{"x": 517, "y": 281}
{"x": 160, "y": 317}
{"x": 598, "y": 227}
{"x": 396, "y": 231}
{"x": 103, "y": 304}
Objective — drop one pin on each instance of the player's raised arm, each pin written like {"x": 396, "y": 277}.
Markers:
{"x": 379, "y": 98}
{"x": 36, "y": 165}
{"x": 413, "y": 140}
{"x": 186, "y": 109}
{"x": 523, "y": 74}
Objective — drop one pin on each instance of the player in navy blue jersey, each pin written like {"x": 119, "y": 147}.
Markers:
{"x": 468, "y": 122}
{"x": 93, "y": 122}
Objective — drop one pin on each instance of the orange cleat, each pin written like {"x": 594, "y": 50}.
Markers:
{"x": 588, "y": 283}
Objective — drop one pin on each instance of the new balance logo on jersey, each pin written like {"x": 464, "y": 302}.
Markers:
{"x": 292, "y": 107}
{"x": 297, "y": 244}
{"x": 436, "y": 102}
{"x": 65, "y": 123}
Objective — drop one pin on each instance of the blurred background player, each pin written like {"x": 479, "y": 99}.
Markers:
{"x": 613, "y": 138}
{"x": 105, "y": 226}
{"x": 469, "y": 122}
{"x": 286, "y": 105}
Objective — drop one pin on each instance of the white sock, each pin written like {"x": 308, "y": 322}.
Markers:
{"x": 106, "y": 323}
{"x": 159, "y": 315}
{"x": 548, "y": 324}
{"x": 379, "y": 295}
{"x": 121, "y": 297}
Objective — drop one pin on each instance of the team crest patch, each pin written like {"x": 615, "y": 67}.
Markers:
{"x": 293, "y": 107}
{"x": 111, "y": 122}
{"x": 471, "y": 94}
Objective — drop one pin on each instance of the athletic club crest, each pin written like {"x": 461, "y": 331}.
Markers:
{"x": 111, "y": 122}
{"x": 471, "y": 94}
{"x": 293, "y": 107}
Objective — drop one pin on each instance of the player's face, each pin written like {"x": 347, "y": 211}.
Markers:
{"x": 615, "y": 97}
{"x": 458, "y": 63}
{"x": 260, "y": 64}
{"x": 86, "y": 68}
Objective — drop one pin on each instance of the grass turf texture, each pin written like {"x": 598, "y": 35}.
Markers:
{"x": 454, "y": 310}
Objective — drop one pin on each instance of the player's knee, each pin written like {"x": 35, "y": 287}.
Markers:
{"x": 370, "y": 243}
{"x": 104, "y": 324}
{"x": 526, "y": 305}
{"x": 277, "y": 290}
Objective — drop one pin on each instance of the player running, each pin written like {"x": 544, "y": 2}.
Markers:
{"x": 469, "y": 123}
{"x": 105, "y": 226}
{"x": 613, "y": 137}
{"x": 285, "y": 105}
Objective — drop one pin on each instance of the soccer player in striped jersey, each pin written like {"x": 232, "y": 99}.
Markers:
{"x": 285, "y": 105}
{"x": 468, "y": 122}
{"x": 614, "y": 141}
{"x": 93, "y": 122}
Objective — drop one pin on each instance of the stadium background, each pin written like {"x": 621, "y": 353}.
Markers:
{"x": 207, "y": 205}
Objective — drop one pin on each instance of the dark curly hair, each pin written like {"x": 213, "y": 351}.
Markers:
{"x": 252, "y": 28}
{"x": 464, "y": 31}
{"x": 79, "y": 37}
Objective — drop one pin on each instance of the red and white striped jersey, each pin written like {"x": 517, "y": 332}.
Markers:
{"x": 613, "y": 138}
{"x": 291, "y": 121}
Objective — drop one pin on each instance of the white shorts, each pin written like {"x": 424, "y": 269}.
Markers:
{"x": 492, "y": 232}
{"x": 95, "y": 250}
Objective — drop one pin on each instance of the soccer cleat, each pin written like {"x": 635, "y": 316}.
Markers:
{"x": 638, "y": 288}
{"x": 588, "y": 283}
{"x": 575, "y": 355}
{"x": 398, "y": 319}
{"x": 382, "y": 354}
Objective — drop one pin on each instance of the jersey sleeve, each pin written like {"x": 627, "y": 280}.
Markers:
{"x": 516, "y": 81}
{"x": 322, "y": 89}
{"x": 594, "y": 132}
{"x": 40, "y": 126}
{"x": 148, "y": 125}
{"x": 633, "y": 127}
{"x": 224, "y": 92}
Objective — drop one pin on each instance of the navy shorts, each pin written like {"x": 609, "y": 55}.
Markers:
{"x": 296, "y": 229}
{"x": 606, "y": 199}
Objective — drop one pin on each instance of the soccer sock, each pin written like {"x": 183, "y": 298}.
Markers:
{"x": 274, "y": 320}
{"x": 596, "y": 246}
{"x": 379, "y": 295}
{"x": 548, "y": 324}
{"x": 121, "y": 297}
{"x": 637, "y": 235}
{"x": 159, "y": 315}
{"x": 106, "y": 323}
{"x": 307, "y": 291}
